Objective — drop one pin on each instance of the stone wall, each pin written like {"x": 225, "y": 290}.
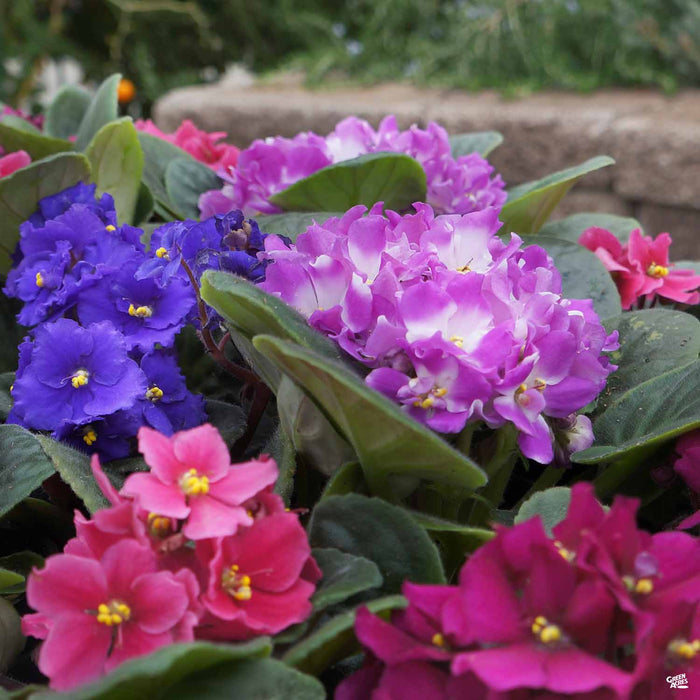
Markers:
{"x": 655, "y": 139}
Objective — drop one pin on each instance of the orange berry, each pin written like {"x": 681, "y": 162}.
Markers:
{"x": 126, "y": 91}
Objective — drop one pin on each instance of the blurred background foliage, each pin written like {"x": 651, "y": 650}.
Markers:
{"x": 511, "y": 45}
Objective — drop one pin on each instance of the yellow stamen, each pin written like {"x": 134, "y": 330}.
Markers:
{"x": 80, "y": 378}
{"x": 685, "y": 649}
{"x": 566, "y": 553}
{"x": 110, "y": 228}
{"x": 140, "y": 311}
{"x": 39, "y": 279}
{"x": 427, "y": 402}
{"x": 113, "y": 613}
{"x": 160, "y": 526}
{"x": 457, "y": 340}
{"x": 438, "y": 640}
{"x": 644, "y": 586}
{"x": 194, "y": 485}
{"x": 539, "y": 384}
{"x": 655, "y": 270}
{"x": 162, "y": 253}
{"x": 235, "y": 584}
{"x": 439, "y": 392}
{"x": 546, "y": 633}
{"x": 464, "y": 269}
{"x": 90, "y": 436}
{"x": 154, "y": 394}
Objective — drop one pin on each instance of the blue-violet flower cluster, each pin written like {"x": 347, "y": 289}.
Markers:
{"x": 456, "y": 324}
{"x": 100, "y": 360}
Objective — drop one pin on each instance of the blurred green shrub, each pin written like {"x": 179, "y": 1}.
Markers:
{"x": 506, "y": 44}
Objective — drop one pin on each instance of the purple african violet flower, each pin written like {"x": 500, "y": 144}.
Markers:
{"x": 458, "y": 185}
{"x": 74, "y": 375}
{"x": 456, "y": 324}
{"x": 168, "y": 406}
{"x": 571, "y": 434}
{"x": 143, "y": 311}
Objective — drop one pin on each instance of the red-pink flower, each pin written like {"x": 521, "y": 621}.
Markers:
{"x": 260, "y": 579}
{"x": 641, "y": 269}
{"x": 96, "y": 614}
{"x": 14, "y": 161}
{"x": 192, "y": 479}
{"x": 199, "y": 144}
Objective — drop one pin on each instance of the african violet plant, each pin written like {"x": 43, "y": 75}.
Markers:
{"x": 336, "y": 416}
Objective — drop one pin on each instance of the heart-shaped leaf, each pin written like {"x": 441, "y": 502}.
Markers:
{"x": 20, "y": 194}
{"x": 185, "y": 180}
{"x": 66, "y": 112}
{"x": 335, "y": 640}
{"x": 153, "y": 677}
{"x": 103, "y": 109}
{"x": 482, "y": 142}
{"x": 395, "y": 451}
{"x": 10, "y": 581}
{"x": 393, "y": 178}
{"x": 17, "y": 566}
{"x": 15, "y": 136}
{"x": 378, "y": 531}
{"x": 652, "y": 341}
{"x": 144, "y": 206}
{"x": 571, "y": 259}
{"x": 11, "y": 637}
{"x": 117, "y": 161}
{"x": 344, "y": 575}
{"x": 293, "y": 224}
{"x": 529, "y": 205}
{"x": 647, "y": 415}
{"x": 573, "y": 226}
{"x": 23, "y": 465}
{"x": 551, "y": 505}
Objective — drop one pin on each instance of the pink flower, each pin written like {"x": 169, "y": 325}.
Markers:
{"x": 14, "y": 161}
{"x": 199, "y": 144}
{"x": 192, "y": 479}
{"x": 260, "y": 579}
{"x": 96, "y": 614}
{"x": 641, "y": 269}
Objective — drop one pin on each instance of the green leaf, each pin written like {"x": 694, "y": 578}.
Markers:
{"x": 255, "y": 312}
{"x": 335, "y": 640}
{"x": 649, "y": 414}
{"x": 573, "y": 226}
{"x": 266, "y": 679}
{"x": 294, "y": 223}
{"x": 395, "y": 451}
{"x": 159, "y": 154}
{"x": 281, "y": 449}
{"x": 583, "y": 276}
{"x": 20, "y": 194}
{"x": 11, "y": 637}
{"x": 23, "y": 465}
{"x": 10, "y": 580}
{"x": 393, "y": 178}
{"x": 652, "y": 341}
{"x": 74, "y": 468}
{"x": 6, "y": 381}
{"x": 185, "y": 180}
{"x": 229, "y": 419}
{"x": 153, "y": 677}
{"x": 66, "y": 112}
{"x": 344, "y": 575}
{"x": 144, "y": 207}
{"x": 529, "y": 205}
{"x": 378, "y": 531}
{"x": 482, "y": 142}
{"x": 33, "y": 142}
{"x": 116, "y": 160}
{"x": 102, "y": 110}
{"x": 551, "y": 505}
{"x": 348, "y": 479}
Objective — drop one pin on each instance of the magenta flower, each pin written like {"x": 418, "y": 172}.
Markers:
{"x": 456, "y": 325}
{"x": 641, "y": 269}
{"x": 687, "y": 465}
{"x": 458, "y": 185}
{"x": 199, "y": 144}
{"x": 260, "y": 579}
{"x": 14, "y": 161}
{"x": 192, "y": 479}
{"x": 96, "y": 614}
